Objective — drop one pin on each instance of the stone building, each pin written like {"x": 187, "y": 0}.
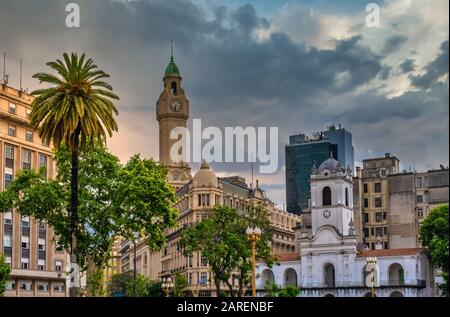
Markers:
{"x": 371, "y": 193}
{"x": 330, "y": 263}
{"x": 38, "y": 266}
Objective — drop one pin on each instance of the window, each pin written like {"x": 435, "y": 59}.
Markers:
{"x": 11, "y": 285}
{"x": 378, "y": 187}
{"x": 173, "y": 88}
{"x": 12, "y": 108}
{"x": 378, "y": 202}
{"x": 26, "y": 161}
{"x": 58, "y": 287}
{"x": 419, "y": 198}
{"x": 28, "y": 113}
{"x": 384, "y": 215}
{"x": 41, "y": 225}
{"x": 25, "y": 222}
{"x": 420, "y": 212}
{"x": 26, "y": 286}
{"x": 419, "y": 182}
{"x": 326, "y": 196}
{"x": 42, "y": 287}
{"x": 366, "y": 232}
{"x": 366, "y": 202}
{"x": 203, "y": 199}
{"x": 190, "y": 278}
{"x": 58, "y": 246}
{"x": 366, "y": 188}
{"x": 24, "y": 265}
{"x": 8, "y": 218}
{"x": 25, "y": 245}
{"x": 385, "y": 230}
{"x": 383, "y": 173}
{"x": 9, "y": 149}
{"x": 41, "y": 267}
{"x": 379, "y": 217}
{"x": 11, "y": 130}
{"x": 385, "y": 245}
{"x": 7, "y": 242}
{"x": 8, "y": 179}
{"x": 190, "y": 261}
{"x": 43, "y": 163}
{"x": 203, "y": 278}
{"x": 346, "y": 196}
{"x": 366, "y": 217}
{"x": 175, "y": 177}
{"x": 379, "y": 231}
{"x": 29, "y": 136}
{"x": 372, "y": 231}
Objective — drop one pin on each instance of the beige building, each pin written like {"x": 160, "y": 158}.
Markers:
{"x": 38, "y": 267}
{"x": 197, "y": 196}
{"x": 411, "y": 197}
{"x": 371, "y": 202}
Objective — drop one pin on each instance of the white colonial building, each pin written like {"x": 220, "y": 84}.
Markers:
{"x": 331, "y": 263}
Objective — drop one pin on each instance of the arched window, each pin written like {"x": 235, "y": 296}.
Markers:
{"x": 326, "y": 196}
{"x": 173, "y": 88}
{"x": 346, "y": 196}
{"x": 329, "y": 275}
{"x": 290, "y": 277}
{"x": 396, "y": 274}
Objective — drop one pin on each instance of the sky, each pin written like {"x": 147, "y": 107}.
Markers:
{"x": 296, "y": 65}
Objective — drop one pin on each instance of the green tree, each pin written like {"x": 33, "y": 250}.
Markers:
{"x": 142, "y": 286}
{"x": 76, "y": 110}
{"x": 180, "y": 285}
{"x": 289, "y": 291}
{"x": 434, "y": 234}
{"x": 118, "y": 283}
{"x": 115, "y": 200}
{"x": 155, "y": 289}
{"x": 272, "y": 289}
{"x": 5, "y": 270}
{"x": 223, "y": 243}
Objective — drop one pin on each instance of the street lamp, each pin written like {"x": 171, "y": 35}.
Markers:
{"x": 136, "y": 237}
{"x": 167, "y": 285}
{"x": 253, "y": 234}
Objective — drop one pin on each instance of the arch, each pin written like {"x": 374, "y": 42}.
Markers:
{"x": 329, "y": 275}
{"x": 326, "y": 196}
{"x": 369, "y": 294}
{"x": 290, "y": 277}
{"x": 173, "y": 88}
{"x": 329, "y": 295}
{"x": 396, "y": 274}
{"x": 396, "y": 294}
{"x": 267, "y": 277}
{"x": 346, "y": 196}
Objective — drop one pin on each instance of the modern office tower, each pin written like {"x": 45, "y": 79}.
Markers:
{"x": 302, "y": 152}
{"x": 38, "y": 267}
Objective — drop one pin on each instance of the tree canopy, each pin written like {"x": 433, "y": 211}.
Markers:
{"x": 5, "y": 270}
{"x": 221, "y": 241}
{"x": 115, "y": 200}
{"x": 434, "y": 234}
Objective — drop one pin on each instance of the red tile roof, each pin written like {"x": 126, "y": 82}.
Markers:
{"x": 389, "y": 252}
{"x": 288, "y": 257}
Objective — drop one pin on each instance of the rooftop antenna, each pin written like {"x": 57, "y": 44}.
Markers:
{"x": 4, "y": 80}
{"x": 20, "y": 85}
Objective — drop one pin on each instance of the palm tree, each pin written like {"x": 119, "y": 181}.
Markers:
{"x": 75, "y": 110}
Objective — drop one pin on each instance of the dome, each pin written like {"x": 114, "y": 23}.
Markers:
{"x": 205, "y": 176}
{"x": 330, "y": 164}
{"x": 172, "y": 68}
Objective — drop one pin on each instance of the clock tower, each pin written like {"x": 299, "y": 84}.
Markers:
{"x": 172, "y": 111}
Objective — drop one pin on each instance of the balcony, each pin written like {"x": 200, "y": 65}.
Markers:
{"x": 360, "y": 284}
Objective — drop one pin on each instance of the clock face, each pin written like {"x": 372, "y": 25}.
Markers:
{"x": 176, "y": 105}
{"x": 326, "y": 213}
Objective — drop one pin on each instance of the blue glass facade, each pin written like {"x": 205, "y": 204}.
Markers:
{"x": 300, "y": 155}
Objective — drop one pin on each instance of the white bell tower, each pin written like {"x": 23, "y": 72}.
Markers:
{"x": 332, "y": 197}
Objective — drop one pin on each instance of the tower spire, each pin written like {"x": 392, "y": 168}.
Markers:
{"x": 171, "y": 50}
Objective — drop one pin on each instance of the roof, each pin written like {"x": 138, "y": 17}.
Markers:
{"x": 389, "y": 252}
{"x": 287, "y": 257}
{"x": 172, "y": 68}
{"x": 330, "y": 164}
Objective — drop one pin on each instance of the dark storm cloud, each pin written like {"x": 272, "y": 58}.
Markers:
{"x": 433, "y": 71}
{"x": 408, "y": 65}
{"x": 393, "y": 43}
{"x": 230, "y": 77}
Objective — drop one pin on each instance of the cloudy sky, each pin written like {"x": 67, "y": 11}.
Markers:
{"x": 297, "y": 65}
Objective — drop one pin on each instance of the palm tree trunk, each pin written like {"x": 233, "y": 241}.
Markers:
{"x": 75, "y": 271}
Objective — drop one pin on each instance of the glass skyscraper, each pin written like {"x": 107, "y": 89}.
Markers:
{"x": 302, "y": 152}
